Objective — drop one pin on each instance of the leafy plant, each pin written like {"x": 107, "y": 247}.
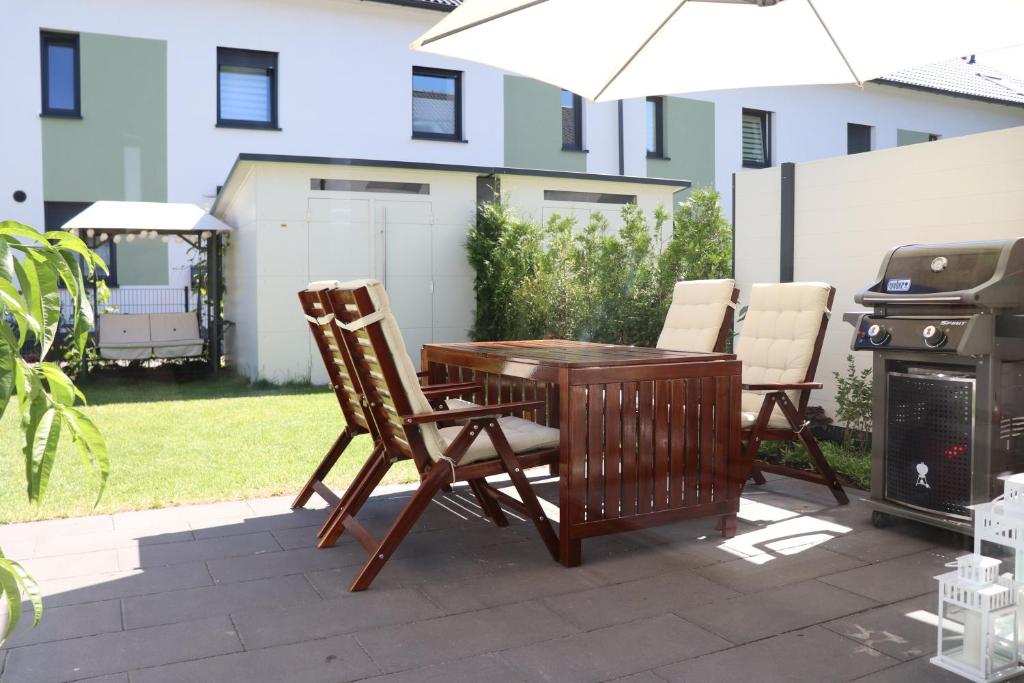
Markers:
{"x": 561, "y": 280}
{"x": 853, "y": 401}
{"x": 32, "y": 267}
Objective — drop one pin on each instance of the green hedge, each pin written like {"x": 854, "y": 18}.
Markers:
{"x": 590, "y": 283}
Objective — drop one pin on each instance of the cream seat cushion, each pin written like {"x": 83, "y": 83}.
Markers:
{"x": 523, "y": 436}
{"x": 435, "y": 441}
{"x": 776, "y": 340}
{"x": 696, "y": 314}
{"x": 124, "y": 336}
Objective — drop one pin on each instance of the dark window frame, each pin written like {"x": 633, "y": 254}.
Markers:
{"x": 254, "y": 59}
{"x": 577, "y": 109}
{"x": 456, "y": 76}
{"x": 766, "y": 136}
{"x": 850, "y": 139}
{"x": 46, "y": 39}
{"x": 659, "y": 128}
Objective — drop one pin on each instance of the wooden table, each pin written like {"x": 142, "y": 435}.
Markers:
{"x": 648, "y": 436}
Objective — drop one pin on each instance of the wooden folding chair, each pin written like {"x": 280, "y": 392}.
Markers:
{"x": 779, "y": 345}
{"x": 342, "y": 377}
{"x": 700, "y": 316}
{"x": 484, "y": 444}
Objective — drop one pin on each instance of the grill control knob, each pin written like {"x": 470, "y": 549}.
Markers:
{"x": 878, "y": 335}
{"x": 933, "y": 337}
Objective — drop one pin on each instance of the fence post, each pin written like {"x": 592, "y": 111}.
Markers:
{"x": 787, "y": 232}
{"x": 186, "y": 298}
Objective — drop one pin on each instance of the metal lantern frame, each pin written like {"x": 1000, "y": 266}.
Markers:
{"x": 986, "y": 600}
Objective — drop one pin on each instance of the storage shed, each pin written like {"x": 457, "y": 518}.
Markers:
{"x": 301, "y": 219}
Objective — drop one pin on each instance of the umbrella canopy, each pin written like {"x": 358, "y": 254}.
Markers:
{"x": 617, "y": 49}
{"x": 117, "y": 217}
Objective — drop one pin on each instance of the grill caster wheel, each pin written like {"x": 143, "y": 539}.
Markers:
{"x": 881, "y": 520}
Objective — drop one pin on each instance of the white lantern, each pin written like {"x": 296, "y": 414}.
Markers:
{"x": 1001, "y": 522}
{"x": 978, "y": 621}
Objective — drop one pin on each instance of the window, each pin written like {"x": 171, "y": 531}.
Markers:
{"x": 60, "y": 65}
{"x": 756, "y": 139}
{"x": 436, "y": 104}
{"x": 56, "y": 214}
{"x": 858, "y": 138}
{"x": 588, "y": 197}
{"x": 392, "y": 187}
{"x": 572, "y": 121}
{"x": 246, "y": 89}
{"x": 656, "y": 127}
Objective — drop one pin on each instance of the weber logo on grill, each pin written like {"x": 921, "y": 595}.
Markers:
{"x": 898, "y": 285}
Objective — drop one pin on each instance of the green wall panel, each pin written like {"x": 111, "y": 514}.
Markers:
{"x": 533, "y": 127}
{"x": 909, "y": 137}
{"x": 689, "y": 144}
{"x": 118, "y": 149}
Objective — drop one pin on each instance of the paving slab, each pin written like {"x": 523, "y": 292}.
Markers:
{"x": 94, "y": 588}
{"x": 878, "y": 545}
{"x": 285, "y": 562}
{"x": 332, "y": 660}
{"x": 218, "y": 600}
{"x": 54, "y": 528}
{"x": 812, "y": 655}
{"x": 642, "y": 677}
{"x": 914, "y": 671}
{"x": 904, "y": 630}
{"x": 355, "y": 612}
{"x": 489, "y": 668}
{"x": 50, "y": 545}
{"x": 233, "y": 525}
{"x": 145, "y": 556}
{"x": 615, "y": 651}
{"x": 61, "y": 623}
{"x": 511, "y": 585}
{"x": 760, "y": 615}
{"x": 896, "y": 579}
{"x": 69, "y": 660}
{"x": 631, "y": 600}
{"x": 760, "y": 573}
{"x": 67, "y": 566}
{"x": 462, "y": 635}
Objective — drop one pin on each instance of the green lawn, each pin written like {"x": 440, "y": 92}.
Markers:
{"x": 174, "y": 443}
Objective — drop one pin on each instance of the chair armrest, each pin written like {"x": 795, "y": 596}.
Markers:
{"x": 463, "y": 413}
{"x": 455, "y": 388}
{"x": 792, "y": 386}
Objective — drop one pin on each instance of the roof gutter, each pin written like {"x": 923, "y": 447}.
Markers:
{"x": 947, "y": 93}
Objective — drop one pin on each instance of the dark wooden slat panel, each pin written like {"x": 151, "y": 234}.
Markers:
{"x": 645, "y": 447}
{"x": 629, "y": 418}
{"x": 737, "y": 472}
{"x": 662, "y": 394}
{"x": 691, "y": 442}
{"x": 595, "y": 452}
{"x": 577, "y": 481}
{"x": 609, "y": 526}
{"x": 707, "y": 438}
{"x": 612, "y": 449}
{"x": 554, "y": 406}
{"x": 677, "y": 438}
{"x": 722, "y": 422}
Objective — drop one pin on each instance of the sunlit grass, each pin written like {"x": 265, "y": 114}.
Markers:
{"x": 177, "y": 443}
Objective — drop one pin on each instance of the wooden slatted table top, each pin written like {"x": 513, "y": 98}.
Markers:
{"x": 575, "y": 354}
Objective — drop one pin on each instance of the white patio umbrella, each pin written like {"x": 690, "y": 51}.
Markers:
{"x": 617, "y": 49}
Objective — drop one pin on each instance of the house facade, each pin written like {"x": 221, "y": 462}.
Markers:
{"x": 121, "y": 100}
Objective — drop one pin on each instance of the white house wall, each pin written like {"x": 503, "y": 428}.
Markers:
{"x": 850, "y": 211}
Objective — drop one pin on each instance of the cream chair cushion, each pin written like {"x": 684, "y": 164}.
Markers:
{"x": 528, "y": 435}
{"x": 696, "y": 314}
{"x": 175, "y": 335}
{"x": 124, "y": 336}
{"x": 777, "y": 338}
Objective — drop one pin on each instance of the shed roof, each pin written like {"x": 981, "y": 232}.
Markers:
{"x": 115, "y": 217}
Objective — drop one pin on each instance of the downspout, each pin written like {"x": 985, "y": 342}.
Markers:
{"x": 622, "y": 146}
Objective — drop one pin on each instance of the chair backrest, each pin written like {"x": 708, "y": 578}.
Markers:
{"x": 123, "y": 328}
{"x": 700, "y": 316}
{"x": 333, "y": 352}
{"x": 781, "y": 337}
{"x": 173, "y": 326}
{"x": 385, "y": 370}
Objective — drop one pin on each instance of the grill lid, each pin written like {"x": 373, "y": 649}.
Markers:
{"x": 976, "y": 273}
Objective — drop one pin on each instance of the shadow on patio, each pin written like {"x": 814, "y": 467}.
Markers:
{"x": 237, "y": 591}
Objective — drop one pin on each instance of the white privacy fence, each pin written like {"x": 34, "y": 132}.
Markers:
{"x": 846, "y": 212}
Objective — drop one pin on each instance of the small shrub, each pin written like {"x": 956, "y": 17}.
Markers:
{"x": 853, "y": 402}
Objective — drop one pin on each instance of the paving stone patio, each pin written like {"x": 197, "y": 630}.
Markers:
{"x": 236, "y": 591}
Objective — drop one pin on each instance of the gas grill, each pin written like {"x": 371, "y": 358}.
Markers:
{"x": 947, "y": 334}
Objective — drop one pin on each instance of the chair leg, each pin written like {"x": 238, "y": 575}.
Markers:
{"x": 754, "y": 440}
{"x": 814, "y": 451}
{"x": 727, "y": 525}
{"x": 357, "y": 495}
{"x": 526, "y": 493}
{"x": 320, "y": 473}
{"x": 758, "y": 478}
{"x": 489, "y": 505}
{"x": 414, "y": 508}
